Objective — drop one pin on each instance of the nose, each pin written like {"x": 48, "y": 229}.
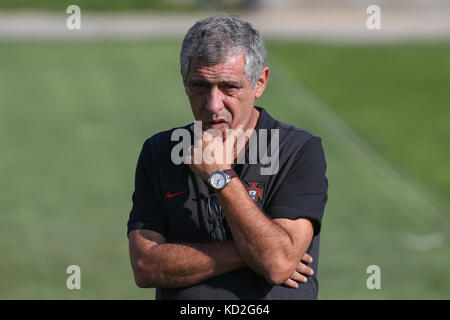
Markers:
{"x": 214, "y": 100}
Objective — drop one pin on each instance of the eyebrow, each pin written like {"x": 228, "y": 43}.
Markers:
{"x": 198, "y": 81}
{"x": 204, "y": 81}
{"x": 233, "y": 83}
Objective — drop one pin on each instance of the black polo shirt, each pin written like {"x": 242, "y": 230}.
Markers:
{"x": 171, "y": 200}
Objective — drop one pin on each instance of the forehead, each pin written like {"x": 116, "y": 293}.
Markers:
{"x": 231, "y": 69}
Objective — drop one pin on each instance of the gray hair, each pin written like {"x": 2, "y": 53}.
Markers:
{"x": 215, "y": 39}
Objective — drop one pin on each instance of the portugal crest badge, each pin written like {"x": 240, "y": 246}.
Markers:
{"x": 255, "y": 191}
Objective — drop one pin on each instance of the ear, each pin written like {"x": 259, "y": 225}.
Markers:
{"x": 181, "y": 72}
{"x": 262, "y": 82}
{"x": 182, "y": 80}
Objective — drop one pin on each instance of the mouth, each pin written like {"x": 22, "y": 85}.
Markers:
{"x": 215, "y": 124}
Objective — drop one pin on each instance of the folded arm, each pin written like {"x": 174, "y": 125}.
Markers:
{"x": 271, "y": 247}
{"x": 156, "y": 263}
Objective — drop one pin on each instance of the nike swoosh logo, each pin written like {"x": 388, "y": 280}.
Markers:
{"x": 171, "y": 195}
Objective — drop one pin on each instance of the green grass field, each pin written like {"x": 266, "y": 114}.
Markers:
{"x": 100, "y": 5}
{"x": 74, "y": 115}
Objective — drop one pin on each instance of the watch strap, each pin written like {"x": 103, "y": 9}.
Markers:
{"x": 231, "y": 173}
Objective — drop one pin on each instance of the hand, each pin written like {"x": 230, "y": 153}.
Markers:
{"x": 301, "y": 273}
{"x": 217, "y": 152}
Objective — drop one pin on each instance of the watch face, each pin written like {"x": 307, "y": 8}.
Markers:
{"x": 218, "y": 180}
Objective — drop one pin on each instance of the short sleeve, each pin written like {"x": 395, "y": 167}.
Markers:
{"x": 303, "y": 191}
{"x": 146, "y": 212}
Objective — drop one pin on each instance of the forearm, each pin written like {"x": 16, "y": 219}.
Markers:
{"x": 180, "y": 265}
{"x": 263, "y": 245}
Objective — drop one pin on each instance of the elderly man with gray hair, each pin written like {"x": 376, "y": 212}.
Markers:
{"x": 224, "y": 229}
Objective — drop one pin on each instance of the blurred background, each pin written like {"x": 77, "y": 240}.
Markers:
{"x": 77, "y": 105}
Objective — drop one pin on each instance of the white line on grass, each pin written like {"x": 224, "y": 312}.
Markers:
{"x": 346, "y": 137}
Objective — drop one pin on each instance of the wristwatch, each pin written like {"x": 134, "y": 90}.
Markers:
{"x": 220, "y": 178}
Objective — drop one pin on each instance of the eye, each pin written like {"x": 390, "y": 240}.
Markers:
{"x": 231, "y": 87}
{"x": 198, "y": 86}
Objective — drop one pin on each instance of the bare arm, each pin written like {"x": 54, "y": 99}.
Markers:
{"x": 156, "y": 263}
{"x": 272, "y": 248}
{"x": 159, "y": 264}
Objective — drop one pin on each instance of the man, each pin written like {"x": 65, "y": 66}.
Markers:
{"x": 220, "y": 229}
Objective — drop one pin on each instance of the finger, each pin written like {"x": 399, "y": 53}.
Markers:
{"x": 298, "y": 277}
{"x": 240, "y": 145}
{"x": 307, "y": 258}
{"x": 291, "y": 283}
{"x": 212, "y": 134}
{"x": 304, "y": 269}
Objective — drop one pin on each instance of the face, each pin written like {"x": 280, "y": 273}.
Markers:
{"x": 221, "y": 95}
